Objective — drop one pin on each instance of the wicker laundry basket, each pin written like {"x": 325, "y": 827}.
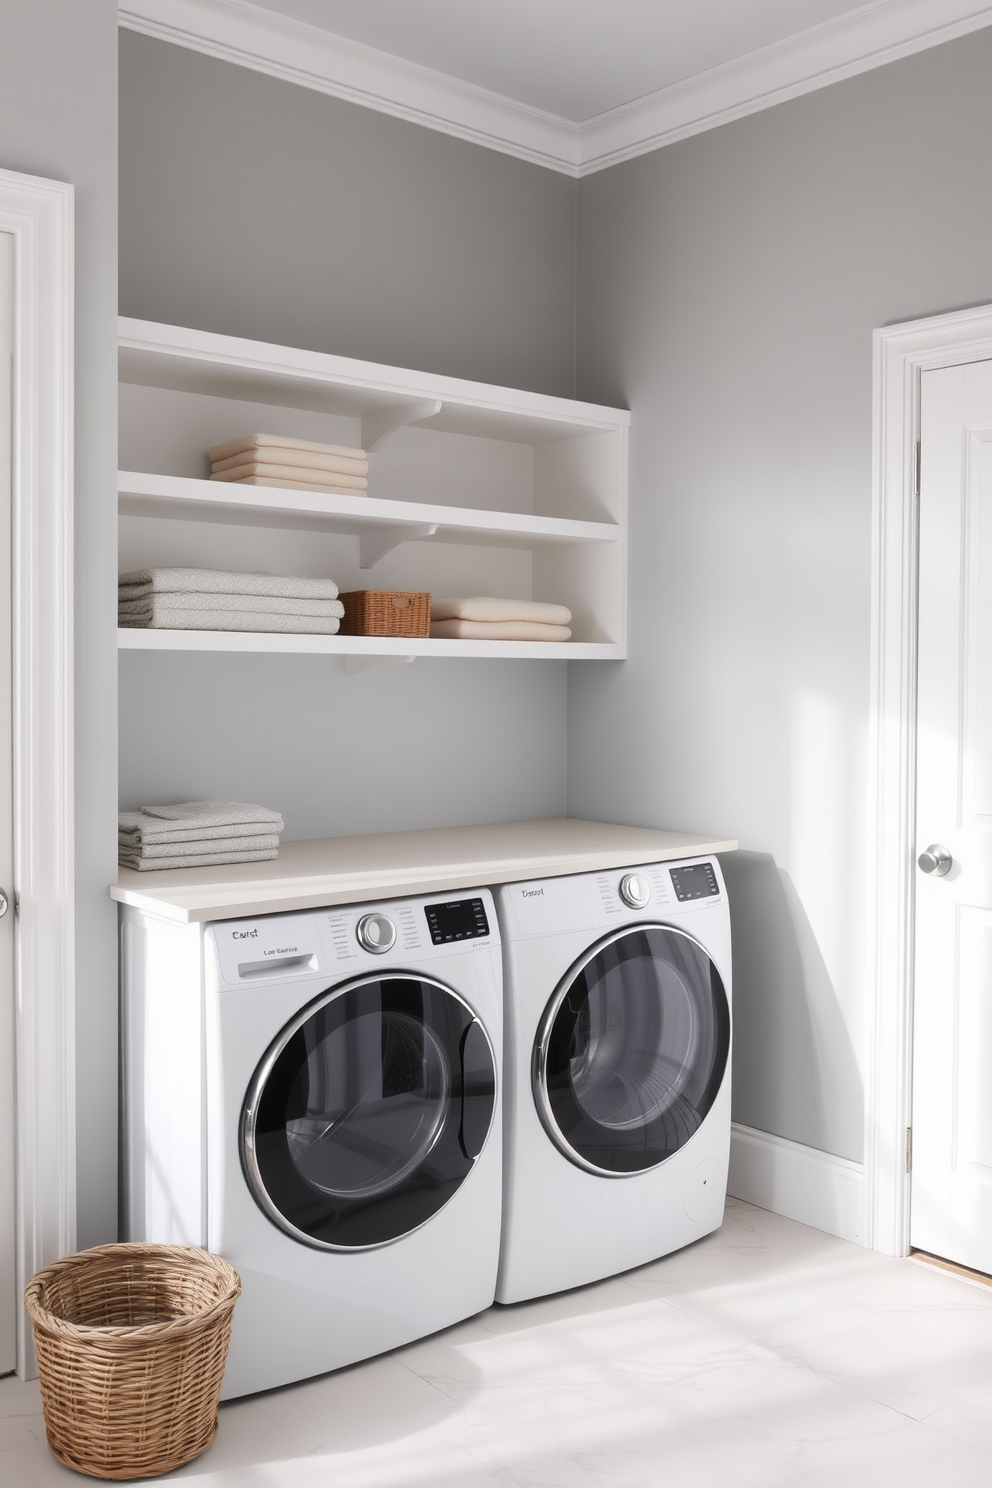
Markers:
{"x": 386, "y": 612}
{"x": 132, "y": 1342}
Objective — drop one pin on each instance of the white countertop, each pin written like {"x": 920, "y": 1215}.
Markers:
{"x": 350, "y": 870}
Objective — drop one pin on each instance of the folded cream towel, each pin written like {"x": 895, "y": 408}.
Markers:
{"x": 489, "y": 609}
{"x": 135, "y": 829}
{"x": 194, "y": 860}
{"x": 249, "y": 442}
{"x": 142, "y": 581}
{"x": 260, "y": 842}
{"x": 497, "y": 630}
{"x": 167, "y": 617}
{"x": 278, "y": 454}
{"x": 294, "y": 476}
{"x": 258, "y": 604}
{"x": 299, "y": 485}
{"x": 213, "y": 812}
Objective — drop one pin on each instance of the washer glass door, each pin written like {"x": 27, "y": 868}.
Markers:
{"x": 368, "y": 1112}
{"x": 632, "y": 1050}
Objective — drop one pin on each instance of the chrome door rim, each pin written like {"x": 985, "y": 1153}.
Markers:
{"x": 539, "y": 1060}
{"x": 249, "y": 1108}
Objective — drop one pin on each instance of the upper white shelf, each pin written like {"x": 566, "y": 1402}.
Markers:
{"x": 162, "y": 356}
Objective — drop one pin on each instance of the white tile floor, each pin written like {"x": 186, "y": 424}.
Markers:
{"x": 767, "y": 1355}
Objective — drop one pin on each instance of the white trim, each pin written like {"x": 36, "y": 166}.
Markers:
{"x": 800, "y": 1182}
{"x": 901, "y": 354}
{"x": 251, "y": 36}
{"x": 235, "y": 31}
{"x": 39, "y": 214}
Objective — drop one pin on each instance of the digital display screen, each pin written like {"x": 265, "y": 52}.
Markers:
{"x": 459, "y": 919}
{"x": 698, "y": 881}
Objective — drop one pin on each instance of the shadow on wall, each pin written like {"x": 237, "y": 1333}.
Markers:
{"x": 795, "y": 1073}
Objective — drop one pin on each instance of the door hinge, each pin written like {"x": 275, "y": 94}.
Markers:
{"x": 909, "y": 1149}
{"x": 917, "y": 458}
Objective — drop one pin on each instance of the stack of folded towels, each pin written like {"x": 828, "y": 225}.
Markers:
{"x": 488, "y": 619}
{"x": 297, "y": 464}
{"x": 214, "y": 599}
{"x": 196, "y": 833}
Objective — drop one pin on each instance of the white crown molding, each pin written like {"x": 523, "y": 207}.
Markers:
{"x": 246, "y": 34}
{"x": 236, "y": 31}
{"x": 866, "y": 38}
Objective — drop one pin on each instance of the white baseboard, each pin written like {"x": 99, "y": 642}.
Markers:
{"x": 800, "y": 1182}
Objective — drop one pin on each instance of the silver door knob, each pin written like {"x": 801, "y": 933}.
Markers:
{"x": 936, "y": 860}
{"x": 4, "y": 904}
{"x": 376, "y": 933}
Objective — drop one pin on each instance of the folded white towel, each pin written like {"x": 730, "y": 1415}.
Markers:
{"x": 487, "y": 608}
{"x": 141, "y": 581}
{"x": 294, "y": 476}
{"x": 211, "y": 812}
{"x": 260, "y": 842}
{"x": 195, "y": 860}
{"x": 299, "y": 485}
{"x": 280, "y": 454}
{"x": 167, "y": 618}
{"x": 258, "y": 604}
{"x": 249, "y": 442}
{"x": 497, "y": 630}
{"x": 135, "y": 829}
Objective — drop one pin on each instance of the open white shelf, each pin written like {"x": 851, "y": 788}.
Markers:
{"x": 357, "y": 646}
{"x": 379, "y": 525}
{"x": 538, "y": 483}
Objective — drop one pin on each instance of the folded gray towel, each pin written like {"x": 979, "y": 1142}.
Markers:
{"x": 156, "y": 821}
{"x": 167, "y": 618}
{"x": 141, "y": 581}
{"x": 193, "y": 860}
{"x": 149, "y": 851}
{"x": 148, "y": 605}
{"x": 134, "y": 828}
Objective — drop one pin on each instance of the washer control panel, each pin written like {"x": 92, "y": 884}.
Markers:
{"x": 694, "y": 881}
{"x": 458, "y": 919}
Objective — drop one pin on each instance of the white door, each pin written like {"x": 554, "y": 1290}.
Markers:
{"x": 8, "y": 1301}
{"x": 951, "y": 1212}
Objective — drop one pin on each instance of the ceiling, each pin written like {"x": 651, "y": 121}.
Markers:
{"x": 573, "y": 85}
{"x": 572, "y": 58}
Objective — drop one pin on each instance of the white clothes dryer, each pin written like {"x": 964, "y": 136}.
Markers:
{"x": 315, "y": 1096}
{"x": 617, "y": 1071}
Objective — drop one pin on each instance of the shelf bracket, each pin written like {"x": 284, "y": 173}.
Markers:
{"x": 375, "y": 545}
{"x": 377, "y": 427}
{"x": 358, "y": 664}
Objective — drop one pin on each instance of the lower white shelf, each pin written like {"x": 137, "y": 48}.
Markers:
{"x": 362, "y": 646}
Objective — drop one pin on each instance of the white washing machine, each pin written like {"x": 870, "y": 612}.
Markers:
{"x": 315, "y": 1096}
{"x": 616, "y": 1071}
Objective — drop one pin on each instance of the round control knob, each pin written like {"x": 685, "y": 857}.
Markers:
{"x": 376, "y": 933}
{"x": 936, "y": 860}
{"x": 634, "y": 890}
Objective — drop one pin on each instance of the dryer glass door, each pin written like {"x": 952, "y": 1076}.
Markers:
{"x": 632, "y": 1050}
{"x": 368, "y": 1112}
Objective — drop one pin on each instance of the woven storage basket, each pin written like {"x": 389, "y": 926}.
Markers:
{"x": 132, "y": 1342}
{"x": 386, "y": 612}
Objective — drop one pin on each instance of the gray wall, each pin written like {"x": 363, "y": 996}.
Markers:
{"x": 256, "y": 208}
{"x": 728, "y": 287}
{"x": 252, "y": 207}
{"x": 58, "y": 118}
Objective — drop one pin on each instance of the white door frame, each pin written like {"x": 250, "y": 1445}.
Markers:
{"x": 901, "y": 354}
{"x": 39, "y": 215}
